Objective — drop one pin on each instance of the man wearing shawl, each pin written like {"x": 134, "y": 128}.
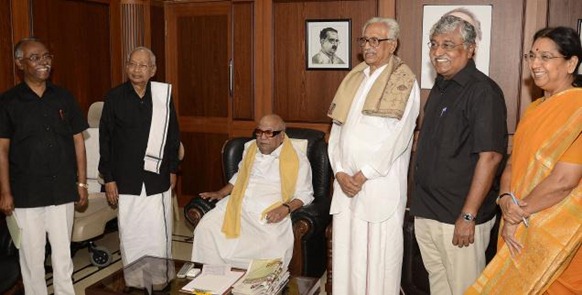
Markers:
{"x": 139, "y": 140}
{"x": 252, "y": 220}
{"x": 374, "y": 113}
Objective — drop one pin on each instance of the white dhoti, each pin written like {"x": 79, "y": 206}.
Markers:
{"x": 257, "y": 239}
{"x": 36, "y": 223}
{"x": 367, "y": 256}
{"x": 145, "y": 225}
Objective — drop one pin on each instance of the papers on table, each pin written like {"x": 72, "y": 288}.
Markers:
{"x": 263, "y": 277}
{"x": 14, "y": 229}
{"x": 214, "y": 279}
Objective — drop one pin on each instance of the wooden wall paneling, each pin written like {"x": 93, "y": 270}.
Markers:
{"x": 536, "y": 18}
{"x": 198, "y": 48}
{"x": 117, "y": 63}
{"x": 263, "y": 64}
{"x": 21, "y": 27}
{"x": 301, "y": 95}
{"x": 7, "y": 69}
{"x": 80, "y": 43}
{"x": 387, "y": 8}
{"x": 243, "y": 82}
{"x": 506, "y": 44}
{"x": 201, "y": 169}
{"x": 564, "y": 13}
{"x": 203, "y": 74}
{"x": 135, "y": 27}
{"x": 158, "y": 38}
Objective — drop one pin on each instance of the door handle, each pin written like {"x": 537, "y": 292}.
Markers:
{"x": 230, "y": 77}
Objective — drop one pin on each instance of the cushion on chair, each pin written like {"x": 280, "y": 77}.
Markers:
{"x": 92, "y": 150}
{"x": 94, "y": 114}
{"x": 90, "y": 221}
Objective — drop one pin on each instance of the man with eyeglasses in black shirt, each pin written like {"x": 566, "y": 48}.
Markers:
{"x": 461, "y": 145}
{"x": 42, "y": 167}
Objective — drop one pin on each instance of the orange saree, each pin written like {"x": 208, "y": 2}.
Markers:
{"x": 549, "y": 131}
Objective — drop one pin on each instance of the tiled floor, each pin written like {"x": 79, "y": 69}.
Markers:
{"x": 86, "y": 274}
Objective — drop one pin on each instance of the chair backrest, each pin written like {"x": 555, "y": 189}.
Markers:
{"x": 316, "y": 153}
{"x": 92, "y": 151}
{"x": 94, "y": 114}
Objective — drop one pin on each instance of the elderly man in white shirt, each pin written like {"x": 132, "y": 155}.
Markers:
{"x": 252, "y": 220}
{"x": 374, "y": 113}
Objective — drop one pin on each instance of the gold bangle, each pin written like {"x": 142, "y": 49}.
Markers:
{"x": 83, "y": 185}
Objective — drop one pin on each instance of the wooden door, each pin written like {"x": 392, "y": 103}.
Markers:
{"x": 198, "y": 56}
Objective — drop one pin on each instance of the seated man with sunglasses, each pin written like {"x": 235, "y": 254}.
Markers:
{"x": 252, "y": 219}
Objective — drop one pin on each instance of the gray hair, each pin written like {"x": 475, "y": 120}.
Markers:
{"x": 390, "y": 23}
{"x": 469, "y": 17}
{"x": 18, "y": 52}
{"x": 143, "y": 48}
{"x": 449, "y": 23}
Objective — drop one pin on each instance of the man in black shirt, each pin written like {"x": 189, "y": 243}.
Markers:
{"x": 42, "y": 167}
{"x": 139, "y": 142}
{"x": 461, "y": 144}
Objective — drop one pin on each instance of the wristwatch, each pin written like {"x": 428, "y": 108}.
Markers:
{"x": 468, "y": 217}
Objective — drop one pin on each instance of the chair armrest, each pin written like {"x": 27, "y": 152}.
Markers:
{"x": 315, "y": 216}
{"x": 196, "y": 208}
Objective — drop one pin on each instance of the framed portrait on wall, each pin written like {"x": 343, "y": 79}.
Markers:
{"x": 328, "y": 44}
{"x": 431, "y": 14}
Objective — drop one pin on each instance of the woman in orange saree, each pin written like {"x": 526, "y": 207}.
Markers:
{"x": 541, "y": 187}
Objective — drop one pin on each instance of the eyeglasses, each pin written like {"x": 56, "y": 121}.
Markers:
{"x": 446, "y": 46}
{"x": 374, "y": 42}
{"x": 544, "y": 57}
{"x": 35, "y": 58}
{"x": 269, "y": 133}
{"x": 333, "y": 41}
{"x": 139, "y": 67}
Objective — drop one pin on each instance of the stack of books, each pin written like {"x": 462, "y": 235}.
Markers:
{"x": 263, "y": 277}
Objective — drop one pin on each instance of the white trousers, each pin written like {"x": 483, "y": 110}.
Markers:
{"x": 451, "y": 270}
{"x": 145, "y": 225}
{"x": 36, "y": 224}
{"x": 367, "y": 257}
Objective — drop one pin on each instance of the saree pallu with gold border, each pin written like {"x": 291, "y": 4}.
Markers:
{"x": 554, "y": 235}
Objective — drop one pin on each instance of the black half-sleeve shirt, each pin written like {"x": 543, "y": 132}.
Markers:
{"x": 123, "y": 137}
{"x": 42, "y": 158}
{"x": 464, "y": 116}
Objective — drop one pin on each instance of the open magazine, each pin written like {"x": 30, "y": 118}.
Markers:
{"x": 263, "y": 276}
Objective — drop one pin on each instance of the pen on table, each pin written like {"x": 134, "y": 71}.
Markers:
{"x": 514, "y": 199}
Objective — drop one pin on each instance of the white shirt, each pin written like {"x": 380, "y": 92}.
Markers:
{"x": 264, "y": 187}
{"x": 379, "y": 147}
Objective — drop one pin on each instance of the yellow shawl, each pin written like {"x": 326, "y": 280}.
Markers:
{"x": 288, "y": 169}
{"x": 387, "y": 97}
{"x": 554, "y": 234}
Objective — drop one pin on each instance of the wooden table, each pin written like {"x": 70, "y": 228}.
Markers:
{"x": 159, "y": 276}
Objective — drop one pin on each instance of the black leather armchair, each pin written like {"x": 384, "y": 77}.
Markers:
{"x": 309, "y": 223}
